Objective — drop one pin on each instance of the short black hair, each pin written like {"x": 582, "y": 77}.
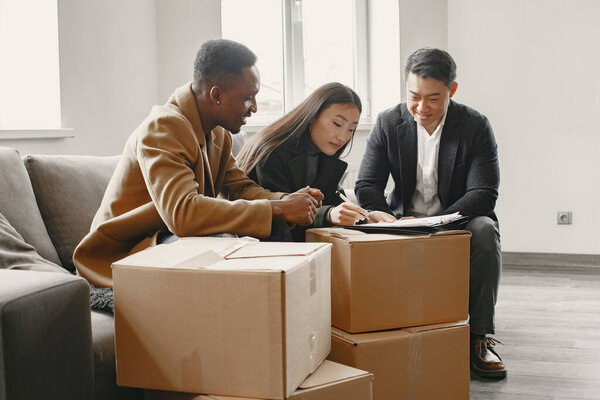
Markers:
{"x": 220, "y": 60}
{"x": 432, "y": 63}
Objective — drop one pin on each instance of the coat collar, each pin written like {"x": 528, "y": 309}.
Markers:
{"x": 407, "y": 153}
{"x": 184, "y": 101}
{"x": 447, "y": 153}
{"x": 331, "y": 169}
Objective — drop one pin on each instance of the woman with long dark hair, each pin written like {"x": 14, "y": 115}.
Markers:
{"x": 303, "y": 147}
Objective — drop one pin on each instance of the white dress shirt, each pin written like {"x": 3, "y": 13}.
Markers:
{"x": 425, "y": 200}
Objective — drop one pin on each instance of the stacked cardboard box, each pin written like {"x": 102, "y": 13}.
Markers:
{"x": 331, "y": 381}
{"x": 397, "y": 306}
{"x": 223, "y": 316}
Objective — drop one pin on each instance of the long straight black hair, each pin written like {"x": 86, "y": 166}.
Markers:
{"x": 296, "y": 123}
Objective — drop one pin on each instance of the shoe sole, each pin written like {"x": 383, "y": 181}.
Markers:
{"x": 496, "y": 375}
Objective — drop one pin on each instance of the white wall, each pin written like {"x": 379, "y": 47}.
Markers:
{"x": 532, "y": 68}
{"x": 423, "y": 23}
{"x": 181, "y": 27}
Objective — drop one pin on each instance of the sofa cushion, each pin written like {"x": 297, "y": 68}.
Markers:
{"x": 69, "y": 190}
{"x": 18, "y": 204}
{"x": 15, "y": 253}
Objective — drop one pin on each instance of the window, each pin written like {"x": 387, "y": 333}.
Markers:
{"x": 29, "y": 74}
{"x": 259, "y": 28}
{"x": 301, "y": 44}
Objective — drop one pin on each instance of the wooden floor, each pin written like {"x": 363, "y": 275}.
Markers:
{"x": 549, "y": 322}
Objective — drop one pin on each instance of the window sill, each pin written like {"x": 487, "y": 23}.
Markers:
{"x": 18, "y": 134}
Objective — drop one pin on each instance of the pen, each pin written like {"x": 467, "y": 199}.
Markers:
{"x": 347, "y": 200}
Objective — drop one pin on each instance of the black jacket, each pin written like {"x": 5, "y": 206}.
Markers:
{"x": 468, "y": 171}
{"x": 284, "y": 170}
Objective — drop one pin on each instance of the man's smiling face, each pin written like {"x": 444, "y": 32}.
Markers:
{"x": 427, "y": 100}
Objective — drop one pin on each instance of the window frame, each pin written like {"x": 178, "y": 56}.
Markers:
{"x": 53, "y": 131}
{"x": 293, "y": 62}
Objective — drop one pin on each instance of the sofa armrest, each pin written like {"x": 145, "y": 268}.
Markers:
{"x": 45, "y": 336}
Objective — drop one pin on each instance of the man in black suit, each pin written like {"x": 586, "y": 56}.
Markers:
{"x": 442, "y": 157}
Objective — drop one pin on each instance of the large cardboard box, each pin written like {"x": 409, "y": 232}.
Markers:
{"x": 225, "y": 316}
{"x": 384, "y": 281}
{"x": 331, "y": 381}
{"x": 425, "y": 362}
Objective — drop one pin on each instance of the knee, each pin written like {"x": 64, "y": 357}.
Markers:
{"x": 484, "y": 233}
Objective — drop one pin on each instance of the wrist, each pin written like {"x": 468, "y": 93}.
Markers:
{"x": 276, "y": 209}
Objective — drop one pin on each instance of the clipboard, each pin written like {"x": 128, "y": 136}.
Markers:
{"x": 413, "y": 230}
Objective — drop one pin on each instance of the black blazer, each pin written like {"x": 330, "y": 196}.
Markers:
{"x": 468, "y": 172}
{"x": 284, "y": 170}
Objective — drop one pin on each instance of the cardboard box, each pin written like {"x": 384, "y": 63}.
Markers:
{"x": 384, "y": 281}
{"x": 225, "y": 316}
{"x": 331, "y": 381}
{"x": 426, "y": 362}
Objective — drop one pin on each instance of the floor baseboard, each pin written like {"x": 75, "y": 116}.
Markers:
{"x": 552, "y": 260}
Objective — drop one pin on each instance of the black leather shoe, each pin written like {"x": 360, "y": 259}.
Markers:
{"x": 485, "y": 362}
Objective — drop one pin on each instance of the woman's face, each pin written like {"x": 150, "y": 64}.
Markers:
{"x": 333, "y": 127}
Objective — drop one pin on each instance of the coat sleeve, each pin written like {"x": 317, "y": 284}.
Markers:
{"x": 482, "y": 176}
{"x": 169, "y": 160}
{"x": 374, "y": 172}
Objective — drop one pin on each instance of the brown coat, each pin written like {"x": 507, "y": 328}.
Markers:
{"x": 165, "y": 181}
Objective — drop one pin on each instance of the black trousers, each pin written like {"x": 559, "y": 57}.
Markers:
{"x": 485, "y": 269}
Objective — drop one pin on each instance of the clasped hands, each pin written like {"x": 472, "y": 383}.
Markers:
{"x": 299, "y": 207}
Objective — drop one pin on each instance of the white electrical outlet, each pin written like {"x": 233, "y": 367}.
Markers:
{"x": 564, "y": 218}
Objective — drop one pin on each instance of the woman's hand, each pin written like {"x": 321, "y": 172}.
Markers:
{"x": 347, "y": 214}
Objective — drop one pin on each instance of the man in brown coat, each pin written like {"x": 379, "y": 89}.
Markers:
{"x": 176, "y": 163}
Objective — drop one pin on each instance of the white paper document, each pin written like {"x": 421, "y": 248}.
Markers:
{"x": 436, "y": 220}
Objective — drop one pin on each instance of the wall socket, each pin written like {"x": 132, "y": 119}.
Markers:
{"x": 564, "y": 218}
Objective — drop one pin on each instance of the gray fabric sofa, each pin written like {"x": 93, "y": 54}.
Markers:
{"x": 51, "y": 345}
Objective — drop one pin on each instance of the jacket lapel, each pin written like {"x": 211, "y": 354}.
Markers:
{"x": 408, "y": 151}
{"x": 330, "y": 173}
{"x": 184, "y": 99}
{"x": 447, "y": 154}
{"x": 211, "y": 163}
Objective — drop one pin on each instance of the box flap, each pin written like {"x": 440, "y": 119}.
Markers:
{"x": 355, "y": 236}
{"x": 424, "y": 328}
{"x": 200, "y": 261}
{"x": 174, "y": 255}
{"x": 329, "y": 372}
{"x": 275, "y": 249}
{"x": 267, "y": 264}
{"x": 357, "y": 339}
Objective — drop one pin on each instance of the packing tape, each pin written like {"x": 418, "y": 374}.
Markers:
{"x": 312, "y": 355}
{"x": 416, "y": 259}
{"x": 415, "y": 303}
{"x": 237, "y": 244}
{"x": 413, "y": 367}
{"x": 313, "y": 275}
